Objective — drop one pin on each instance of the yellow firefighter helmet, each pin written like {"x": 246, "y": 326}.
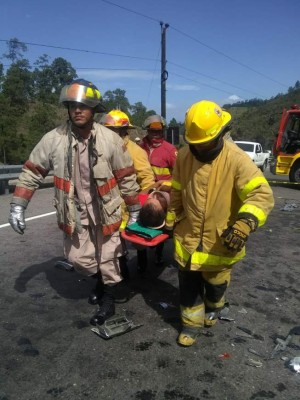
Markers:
{"x": 205, "y": 121}
{"x": 116, "y": 119}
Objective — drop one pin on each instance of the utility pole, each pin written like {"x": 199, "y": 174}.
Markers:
{"x": 164, "y": 72}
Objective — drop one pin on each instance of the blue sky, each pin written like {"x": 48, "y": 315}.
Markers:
{"x": 216, "y": 50}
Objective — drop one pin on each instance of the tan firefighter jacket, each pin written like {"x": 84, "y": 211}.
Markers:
{"x": 112, "y": 171}
{"x": 206, "y": 198}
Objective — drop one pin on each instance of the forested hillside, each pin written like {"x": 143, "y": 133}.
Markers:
{"x": 29, "y": 96}
{"x": 257, "y": 120}
{"x": 29, "y": 105}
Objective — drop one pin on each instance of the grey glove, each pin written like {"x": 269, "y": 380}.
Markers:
{"x": 17, "y": 218}
{"x": 133, "y": 217}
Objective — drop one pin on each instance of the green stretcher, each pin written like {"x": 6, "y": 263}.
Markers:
{"x": 138, "y": 234}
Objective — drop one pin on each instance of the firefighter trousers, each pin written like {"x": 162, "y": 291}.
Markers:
{"x": 201, "y": 292}
{"x": 92, "y": 253}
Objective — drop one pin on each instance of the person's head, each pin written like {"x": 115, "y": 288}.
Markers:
{"x": 155, "y": 126}
{"x": 205, "y": 125}
{"x": 137, "y": 140}
{"x": 117, "y": 121}
{"x": 154, "y": 210}
{"x": 82, "y": 99}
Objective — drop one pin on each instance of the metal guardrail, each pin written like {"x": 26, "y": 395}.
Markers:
{"x": 9, "y": 173}
{"x": 7, "y": 169}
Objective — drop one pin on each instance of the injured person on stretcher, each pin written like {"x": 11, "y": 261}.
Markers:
{"x": 148, "y": 230}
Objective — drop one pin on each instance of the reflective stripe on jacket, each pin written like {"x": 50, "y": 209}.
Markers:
{"x": 112, "y": 171}
{"x": 207, "y": 198}
{"x": 161, "y": 158}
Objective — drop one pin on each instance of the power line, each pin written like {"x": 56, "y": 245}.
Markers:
{"x": 132, "y": 11}
{"x": 146, "y": 58}
{"x": 217, "y": 80}
{"x": 199, "y": 42}
{"x": 153, "y": 73}
{"x": 202, "y": 84}
{"x": 82, "y": 50}
{"x": 230, "y": 58}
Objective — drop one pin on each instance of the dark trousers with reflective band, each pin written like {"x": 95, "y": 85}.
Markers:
{"x": 201, "y": 292}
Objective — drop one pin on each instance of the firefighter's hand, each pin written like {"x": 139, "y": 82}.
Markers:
{"x": 235, "y": 236}
{"x": 17, "y": 218}
{"x": 133, "y": 217}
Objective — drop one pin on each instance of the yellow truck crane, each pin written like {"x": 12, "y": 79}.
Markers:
{"x": 286, "y": 147}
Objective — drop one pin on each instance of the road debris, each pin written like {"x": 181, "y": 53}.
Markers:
{"x": 252, "y": 351}
{"x": 249, "y": 333}
{"x": 254, "y": 363}
{"x": 224, "y": 356}
{"x": 289, "y": 207}
{"x": 281, "y": 345}
{"x": 294, "y": 364}
{"x": 115, "y": 326}
{"x": 223, "y": 314}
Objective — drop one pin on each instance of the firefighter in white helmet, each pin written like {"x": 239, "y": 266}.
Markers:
{"x": 162, "y": 157}
{"x": 218, "y": 198}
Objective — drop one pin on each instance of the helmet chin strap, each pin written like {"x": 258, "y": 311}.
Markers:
{"x": 207, "y": 155}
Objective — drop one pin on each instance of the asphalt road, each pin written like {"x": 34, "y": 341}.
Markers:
{"x": 48, "y": 350}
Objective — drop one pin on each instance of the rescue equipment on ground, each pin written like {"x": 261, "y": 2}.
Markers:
{"x": 115, "y": 326}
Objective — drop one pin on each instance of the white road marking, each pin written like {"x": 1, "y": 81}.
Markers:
{"x": 30, "y": 218}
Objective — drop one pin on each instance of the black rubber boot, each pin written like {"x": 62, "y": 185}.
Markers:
{"x": 124, "y": 267}
{"x": 97, "y": 293}
{"x": 142, "y": 261}
{"x": 106, "y": 309}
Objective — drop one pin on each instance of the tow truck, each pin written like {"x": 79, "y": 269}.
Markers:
{"x": 286, "y": 147}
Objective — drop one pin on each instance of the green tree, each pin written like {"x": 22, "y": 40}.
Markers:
{"x": 173, "y": 123}
{"x": 62, "y": 74}
{"x": 116, "y": 99}
{"x": 15, "y": 50}
{"x": 139, "y": 113}
{"x": 49, "y": 79}
{"x": 8, "y": 132}
{"x": 17, "y": 86}
{"x": 1, "y": 76}
{"x": 43, "y": 119}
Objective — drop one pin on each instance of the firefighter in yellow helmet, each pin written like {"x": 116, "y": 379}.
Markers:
{"x": 218, "y": 198}
{"x": 119, "y": 122}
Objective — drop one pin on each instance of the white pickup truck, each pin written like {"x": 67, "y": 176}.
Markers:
{"x": 255, "y": 152}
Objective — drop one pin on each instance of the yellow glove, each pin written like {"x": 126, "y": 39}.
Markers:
{"x": 235, "y": 236}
